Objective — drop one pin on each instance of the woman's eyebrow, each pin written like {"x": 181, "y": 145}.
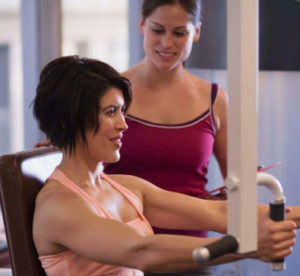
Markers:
{"x": 109, "y": 106}
{"x": 159, "y": 25}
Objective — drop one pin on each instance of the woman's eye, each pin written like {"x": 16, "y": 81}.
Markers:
{"x": 179, "y": 33}
{"x": 111, "y": 112}
{"x": 157, "y": 31}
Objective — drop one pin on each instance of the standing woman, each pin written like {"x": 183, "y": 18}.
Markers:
{"x": 176, "y": 120}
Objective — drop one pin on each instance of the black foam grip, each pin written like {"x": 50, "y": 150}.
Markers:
{"x": 227, "y": 244}
{"x": 277, "y": 213}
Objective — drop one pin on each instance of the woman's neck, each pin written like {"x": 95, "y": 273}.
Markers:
{"x": 80, "y": 170}
{"x": 152, "y": 76}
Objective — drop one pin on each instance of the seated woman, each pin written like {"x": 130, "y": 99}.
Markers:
{"x": 89, "y": 223}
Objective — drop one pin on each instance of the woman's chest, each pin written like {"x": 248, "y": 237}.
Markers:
{"x": 175, "y": 146}
{"x": 171, "y": 107}
{"x": 113, "y": 204}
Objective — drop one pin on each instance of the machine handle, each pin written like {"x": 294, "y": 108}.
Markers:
{"x": 277, "y": 213}
{"x": 227, "y": 244}
{"x": 277, "y": 209}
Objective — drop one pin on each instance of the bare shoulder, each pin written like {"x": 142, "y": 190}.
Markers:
{"x": 220, "y": 108}
{"x": 222, "y": 96}
{"x": 131, "y": 73}
{"x": 202, "y": 86}
{"x": 52, "y": 193}
{"x": 130, "y": 182}
{"x": 57, "y": 205}
{"x": 133, "y": 183}
{"x": 205, "y": 86}
{"x": 53, "y": 215}
{"x": 199, "y": 81}
{"x": 221, "y": 102}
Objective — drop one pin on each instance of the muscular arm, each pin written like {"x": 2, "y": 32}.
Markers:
{"x": 171, "y": 210}
{"x": 74, "y": 225}
{"x": 60, "y": 223}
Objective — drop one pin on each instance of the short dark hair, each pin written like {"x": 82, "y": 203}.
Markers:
{"x": 192, "y": 7}
{"x": 67, "y": 97}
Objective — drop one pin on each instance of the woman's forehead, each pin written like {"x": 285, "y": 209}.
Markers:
{"x": 113, "y": 96}
{"x": 171, "y": 13}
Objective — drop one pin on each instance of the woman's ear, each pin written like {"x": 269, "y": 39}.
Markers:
{"x": 141, "y": 24}
{"x": 197, "y": 32}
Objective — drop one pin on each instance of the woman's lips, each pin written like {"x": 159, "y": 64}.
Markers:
{"x": 165, "y": 55}
{"x": 117, "y": 141}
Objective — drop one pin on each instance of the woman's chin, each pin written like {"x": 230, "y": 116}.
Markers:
{"x": 112, "y": 159}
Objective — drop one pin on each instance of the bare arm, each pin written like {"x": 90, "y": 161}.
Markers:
{"x": 172, "y": 210}
{"x": 73, "y": 224}
{"x": 220, "y": 146}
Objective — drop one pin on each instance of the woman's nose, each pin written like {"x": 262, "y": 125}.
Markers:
{"x": 166, "y": 40}
{"x": 121, "y": 124}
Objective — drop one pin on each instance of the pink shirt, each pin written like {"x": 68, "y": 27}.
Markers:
{"x": 69, "y": 263}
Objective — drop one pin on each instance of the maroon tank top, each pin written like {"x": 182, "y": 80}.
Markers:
{"x": 173, "y": 157}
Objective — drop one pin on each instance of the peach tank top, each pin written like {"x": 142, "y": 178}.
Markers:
{"x": 69, "y": 263}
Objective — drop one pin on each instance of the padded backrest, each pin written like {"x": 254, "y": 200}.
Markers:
{"x": 21, "y": 177}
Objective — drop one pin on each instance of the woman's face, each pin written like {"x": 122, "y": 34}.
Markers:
{"x": 105, "y": 144}
{"x": 169, "y": 33}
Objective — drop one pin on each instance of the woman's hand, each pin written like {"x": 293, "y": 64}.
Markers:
{"x": 43, "y": 143}
{"x": 293, "y": 213}
{"x": 275, "y": 239}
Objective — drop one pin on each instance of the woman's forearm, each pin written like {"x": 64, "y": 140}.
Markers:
{"x": 167, "y": 253}
{"x": 172, "y": 253}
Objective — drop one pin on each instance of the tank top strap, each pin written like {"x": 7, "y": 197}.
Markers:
{"x": 131, "y": 197}
{"x": 59, "y": 176}
{"x": 213, "y": 95}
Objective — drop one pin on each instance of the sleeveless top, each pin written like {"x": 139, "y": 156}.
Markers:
{"x": 69, "y": 263}
{"x": 173, "y": 157}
